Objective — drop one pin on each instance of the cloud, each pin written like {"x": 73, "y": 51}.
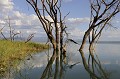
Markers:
{"x": 77, "y": 21}
{"x": 75, "y": 33}
{"x": 82, "y": 25}
{"x": 18, "y": 18}
{"x": 21, "y": 22}
{"x": 18, "y": 15}
{"x": 22, "y": 19}
{"x": 6, "y": 6}
{"x": 114, "y": 33}
{"x": 2, "y": 22}
{"x": 110, "y": 35}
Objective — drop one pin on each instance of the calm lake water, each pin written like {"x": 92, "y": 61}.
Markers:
{"x": 109, "y": 55}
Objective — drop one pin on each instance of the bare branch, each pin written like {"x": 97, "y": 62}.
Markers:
{"x": 29, "y": 37}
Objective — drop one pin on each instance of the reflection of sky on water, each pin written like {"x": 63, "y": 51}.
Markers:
{"x": 109, "y": 55}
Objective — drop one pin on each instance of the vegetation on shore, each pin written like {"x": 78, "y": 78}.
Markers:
{"x": 12, "y": 52}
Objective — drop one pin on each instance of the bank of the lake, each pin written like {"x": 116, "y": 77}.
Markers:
{"x": 12, "y": 52}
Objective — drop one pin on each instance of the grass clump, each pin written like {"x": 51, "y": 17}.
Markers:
{"x": 12, "y": 52}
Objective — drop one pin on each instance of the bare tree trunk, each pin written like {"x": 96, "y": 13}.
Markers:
{"x": 9, "y": 25}
{"x": 2, "y": 33}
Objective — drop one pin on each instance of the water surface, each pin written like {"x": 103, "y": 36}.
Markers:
{"x": 108, "y": 53}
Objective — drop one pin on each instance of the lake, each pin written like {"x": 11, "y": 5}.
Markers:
{"x": 34, "y": 66}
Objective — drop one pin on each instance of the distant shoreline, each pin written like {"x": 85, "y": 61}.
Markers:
{"x": 44, "y": 40}
{"x": 106, "y": 42}
{"x": 101, "y": 42}
{"x": 109, "y": 42}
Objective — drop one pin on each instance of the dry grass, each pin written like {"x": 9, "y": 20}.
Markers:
{"x": 12, "y": 52}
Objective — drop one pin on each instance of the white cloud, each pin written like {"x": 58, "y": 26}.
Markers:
{"x": 75, "y": 33}
{"x": 111, "y": 35}
{"x": 79, "y": 31}
{"x": 18, "y": 15}
{"x": 49, "y": 18}
{"x": 2, "y": 22}
{"x": 17, "y": 22}
{"x": 6, "y": 6}
{"x": 79, "y": 20}
{"x": 31, "y": 31}
{"x": 22, "y": 19}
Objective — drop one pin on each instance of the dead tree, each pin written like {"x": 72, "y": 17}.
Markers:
{"x": 50, "y": 16}
{"x": 2, "y": 33}
{"x": 12, "y": 32}
{"x": 10, "y": 28}
{"x": 29, "y": 37}
{"x": 102, "y": 11}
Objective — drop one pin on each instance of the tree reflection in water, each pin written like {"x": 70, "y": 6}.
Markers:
{"x": 56, "y": 72}
{"x": 57, "y": 67}
{"x": 93, "y": 66}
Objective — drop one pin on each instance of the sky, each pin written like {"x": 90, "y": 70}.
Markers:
{"x": 24, "y": 19}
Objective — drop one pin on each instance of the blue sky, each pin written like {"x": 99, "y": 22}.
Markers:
{"x": 24, "y": 20}
{"x": 71, "y": 6}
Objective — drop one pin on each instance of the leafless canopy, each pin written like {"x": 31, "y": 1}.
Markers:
{"x": 102, "y": 11}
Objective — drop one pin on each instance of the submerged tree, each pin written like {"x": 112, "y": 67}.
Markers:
{"x": 50, "y": 16}
{"x": 102, "y": 12}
